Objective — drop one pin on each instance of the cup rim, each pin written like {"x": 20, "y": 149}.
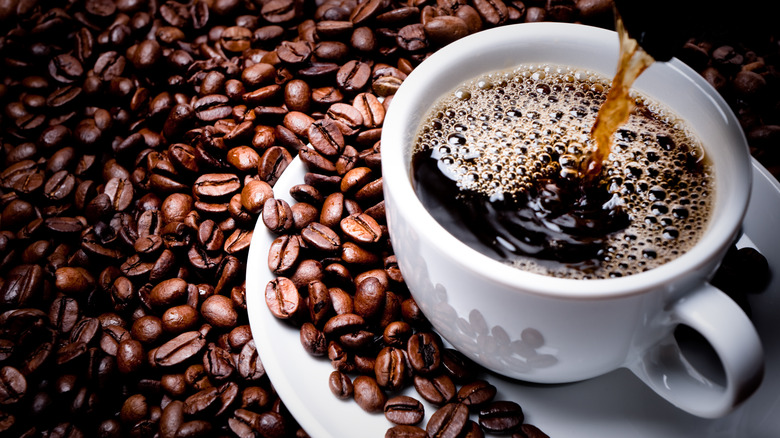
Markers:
{"x": 722, "y": 231}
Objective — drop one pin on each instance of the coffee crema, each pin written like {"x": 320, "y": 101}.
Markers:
{"x": 497, "y": 162}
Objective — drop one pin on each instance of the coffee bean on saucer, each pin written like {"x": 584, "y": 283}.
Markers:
{"x": 404, "y": 410}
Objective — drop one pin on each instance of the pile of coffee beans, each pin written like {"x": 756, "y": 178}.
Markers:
{"x": 743, "y": 64}
{"x": 140, "y": 143}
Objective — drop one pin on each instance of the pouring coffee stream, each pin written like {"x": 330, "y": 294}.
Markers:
{"x": 615, "y": 110}
{"x": 645, "y": 37}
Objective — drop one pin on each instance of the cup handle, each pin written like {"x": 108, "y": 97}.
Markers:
{"x": 731, "y": 334}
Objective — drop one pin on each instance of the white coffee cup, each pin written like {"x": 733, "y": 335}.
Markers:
{"x": 543, "y": 329}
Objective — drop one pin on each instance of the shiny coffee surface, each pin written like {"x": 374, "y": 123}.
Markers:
{"x": 497, "y": 162}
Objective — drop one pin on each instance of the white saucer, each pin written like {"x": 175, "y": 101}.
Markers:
{"x": 616, "y": 405}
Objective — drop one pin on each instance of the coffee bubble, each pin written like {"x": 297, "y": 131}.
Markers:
{"x": 497, "y": 136}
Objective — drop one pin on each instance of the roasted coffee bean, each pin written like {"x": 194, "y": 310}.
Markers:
{"x": 59, "y": 186}
{"x": 445, "y": 29}
{"x": 412, "y": 38}
{"x": 178, "y": 319}
{"x": 179, "y": 349}
{"x": 171, "y": 419}
{"x": 473, "y": 430}
{"x": 210, "y": 236}
{"x": 326, "y": 137}
{"x": 258, "y": 74}
{"x": 130, "y": 356}
{"x": 332, "y": 209}
{"x": 308, "y": 270}
{"x": 437, "y": 390}
{"x": 477, "y": 393}
{"x": 284, "y": 254}
{"x": 363, "y": 39}
{"x": 212, "y": 107}
{"x": 293, "y": 53}
{"x": 303, "y": 214}
{"x": 492, "y": 11}
{"x": 361, "y": 228}
{"x": 273, "y": 162}
{"x": 316, "y": 162}
{"x": 501, "y": 417}
{"x": 134, "y": 409}
{"x": 390, "y": 371}
{"x": 278, "y": 11}
{"x": 238, "y": 241}
{"x": 243, "y": 158}
{"x": 355, "y": 255}
{"x": 255, "y": 397}
{"x": 404, "y": 410}
{"x": 371, "y": 192}
{"x": 239, "y": 336}
{"x": 358, "y": 340}
{"x": 146, "y": 329}
{"x": 249, "y": 365}
{"x": 369, "y": 298}
{"x": 334, "y": 51}
{"x": 406, "y": 431}
{"x": 353, "y": 76}
{"x": 450, "y": 420}
{"x": 65, "y": 68}
{"x": 366, "y": 11}
{"x": 13, "y": 385}
{"x": 64, "y": 314}
{"x": 173, "y": 384}
{"x": 215, "y": 186}
{"x": 297, "y": 95}
{"x": 109, "y": 66}
{"x": 218, "y": 311}
{"x": 319, "y": 302}
{"x": 254, "y": 194}
{"x": 347, "y": 118}
{"x": 201, "y": 401}
{"x": 424, "y": 352}
{"x": 340, "y": 385}
{"x": 73, "y": 281}
{"x": 218, "y": 363}
{"x": 262, "y": 96}
{"x": 325, "y": 96}
{"x": 22, "y": 284}
{"x": 458, "y": 366}
{"x": 168, "y": 292}
{"x": 344, "y": 323}
{"x": 112, "y": 336}
{"x": 347, "y": 160}
{"x": 236, "y": 38}
{"x": 277, "y": 215}
{"x": 313, "y": 340}
{"x": 282, "y": 297}
{"x": 85, "y": 330}
{"x": 396, "y": 334}
{"x": 371, "y": 109}
{"x": 535, "y": 14}
{"x": 368, "y": 395}
{"x": 320, "y": 237}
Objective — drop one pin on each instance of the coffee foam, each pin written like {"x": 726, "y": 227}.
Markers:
{"x": 498, "y": 133}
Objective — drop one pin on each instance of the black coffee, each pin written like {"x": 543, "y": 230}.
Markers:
{"x": 497, "y": 163}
